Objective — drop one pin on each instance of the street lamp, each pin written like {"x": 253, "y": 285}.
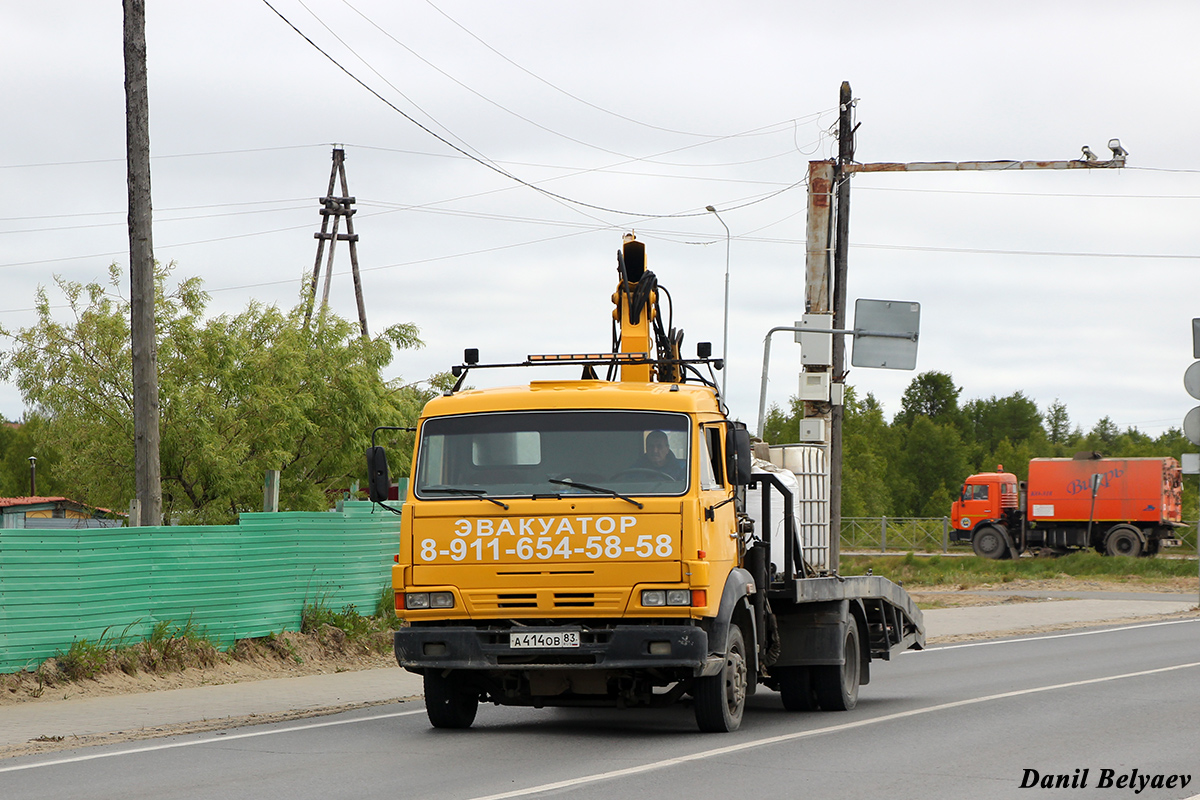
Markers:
{"x": 725, "y": 335}
{"x": 33, "y": 476}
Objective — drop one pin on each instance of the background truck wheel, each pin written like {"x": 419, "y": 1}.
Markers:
{"x": 1124, "y": 540}
{"x": 836, "y": 686}
{"x": 448, "y": 702}
{"x": 795, "y": 688}
{"x": 988, "y": 542}
{"x": 720, "y": 699}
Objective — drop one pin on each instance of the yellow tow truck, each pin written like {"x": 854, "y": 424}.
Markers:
{"x": 585, "y": 543}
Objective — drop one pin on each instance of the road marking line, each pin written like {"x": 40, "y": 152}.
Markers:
{"x": 1050, "y": 636}
{"x": 789, "y": 737}
{"x": 211, "y": 740}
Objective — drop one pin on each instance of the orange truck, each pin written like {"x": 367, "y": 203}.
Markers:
{"x": 1118, "y": 506}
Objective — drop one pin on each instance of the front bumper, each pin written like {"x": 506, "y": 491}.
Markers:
{"x": 610, "y": 647}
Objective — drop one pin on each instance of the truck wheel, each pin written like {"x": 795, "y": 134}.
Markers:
{"x": 449, "y": 703}
{"x": 836, "y": 685}
{"x": 720, "y": 699}
{"x": 795, "y": 688}
{"x": 988, "y": 542}
{"x": 1123, "y": 540}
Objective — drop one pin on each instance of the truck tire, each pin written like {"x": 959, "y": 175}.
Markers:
{"x": 720, "y": 699}
{"x": 795, "y": 688}
{"x": 1124, "y": 540}
{"x": 449, "y": 703}
{"x": 836, "y": 685}
{"x": 988, "y": 542}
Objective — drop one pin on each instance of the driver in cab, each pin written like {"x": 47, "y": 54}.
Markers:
{"x": 659, "y": 458}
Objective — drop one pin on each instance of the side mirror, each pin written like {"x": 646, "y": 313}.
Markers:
{"x": 738, "y": 458}
{"x": 379, "y": 485}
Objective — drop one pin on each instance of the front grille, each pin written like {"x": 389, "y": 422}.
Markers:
{"x": 548, "y": 601}
{"x": 528, "y": 600}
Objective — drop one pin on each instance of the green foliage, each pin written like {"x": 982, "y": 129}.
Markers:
{"x": 175, "y": 647}
{"x": 19, "y": 441}
{"x": 84, "y": 659}
{"x": 348, "y": 620}
{"x": 932, "y": 395}
{"x": 239, "y": 395}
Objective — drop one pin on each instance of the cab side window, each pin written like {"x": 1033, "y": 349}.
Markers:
{"x": 712, "y": 473}
{"x": 979, "y": 492}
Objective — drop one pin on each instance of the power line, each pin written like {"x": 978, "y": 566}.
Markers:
{"x": 158, "y": 219}
{"x": 160, "y": 210}
{"x": 483, "y": 162}
{"x": 1034, "y": 194}
{"x": 157, "y": 158}
{"x": 480, "y": 95}
{"x": 976, "y": 250}
{"x": 559, "y": 89}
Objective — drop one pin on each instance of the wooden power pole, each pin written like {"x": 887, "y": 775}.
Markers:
{"x": 141, "y": 268}
{"x": 336, "y": 208}
{"x": 841, "y": 240}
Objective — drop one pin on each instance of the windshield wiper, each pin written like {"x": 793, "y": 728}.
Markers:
{"x": 480, "y": 493}
{"x": 601, "y": 489}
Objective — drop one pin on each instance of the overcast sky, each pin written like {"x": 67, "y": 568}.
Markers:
{"x": 1070, "y": 285}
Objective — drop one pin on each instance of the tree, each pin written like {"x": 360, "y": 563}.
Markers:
{"x": 240, "y": 394}
{"x": 17, "y": 443}
{"x": 780, "y": 427}
{"x": 1058, "y": 423}
{"x": 932, "y": 395}
{"x": 1103, "y": 436}
{"x": 931, "y": 457}
{"x": 867, "y": 446}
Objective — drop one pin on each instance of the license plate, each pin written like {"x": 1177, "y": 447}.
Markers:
{"x": 544, "y": 639}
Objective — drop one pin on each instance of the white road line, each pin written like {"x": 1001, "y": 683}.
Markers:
{"x": 789, "y": 737}
{"x": 210, "y": 740}
{"x": 1023, "y": 639}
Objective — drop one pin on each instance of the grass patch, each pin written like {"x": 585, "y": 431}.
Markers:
{"x": 912, "y": 570}
{"x": 337, "y": 628}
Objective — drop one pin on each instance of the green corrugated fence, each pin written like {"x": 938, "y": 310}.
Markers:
{"x": 232, "y": 581}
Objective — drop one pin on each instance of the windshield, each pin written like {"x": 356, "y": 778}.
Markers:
{"x": 545, "y": 452}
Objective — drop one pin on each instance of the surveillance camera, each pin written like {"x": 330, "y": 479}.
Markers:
{"x": 1088, "y": 155}
{"x": 1117, "y": 150}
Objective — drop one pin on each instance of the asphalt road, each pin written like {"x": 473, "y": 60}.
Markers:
{"x": 961, "y": 721}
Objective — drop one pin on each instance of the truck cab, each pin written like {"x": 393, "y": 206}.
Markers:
{"x": 585, "y": 543}
{"x": 983, "y": 513}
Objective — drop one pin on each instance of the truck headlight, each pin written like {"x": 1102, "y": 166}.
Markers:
{"x": 654, "y": 597}
{"x": 679, "y": 597}
{"x": 666, "y": 597}
{"x": 423, "y": 600}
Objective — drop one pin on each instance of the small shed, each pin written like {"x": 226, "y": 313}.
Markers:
{"x": 54, "y": 512}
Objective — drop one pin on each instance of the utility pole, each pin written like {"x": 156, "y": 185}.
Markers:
{"x": 831, "y": 181}
{"x": 841, "y": 240}
{"x": 141, "y": 268}
{"x": 336, "y": 208}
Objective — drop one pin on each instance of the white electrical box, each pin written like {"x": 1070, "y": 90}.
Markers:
{"x": 812, "y": 429}
{"x": 814, "y": 386}
{"x": 816, "y": 349}
{"x": 837, "y": 394}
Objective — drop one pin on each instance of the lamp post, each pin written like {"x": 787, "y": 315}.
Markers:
{"x": 725, "y": 331}
{"x": 33, "y": 476}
